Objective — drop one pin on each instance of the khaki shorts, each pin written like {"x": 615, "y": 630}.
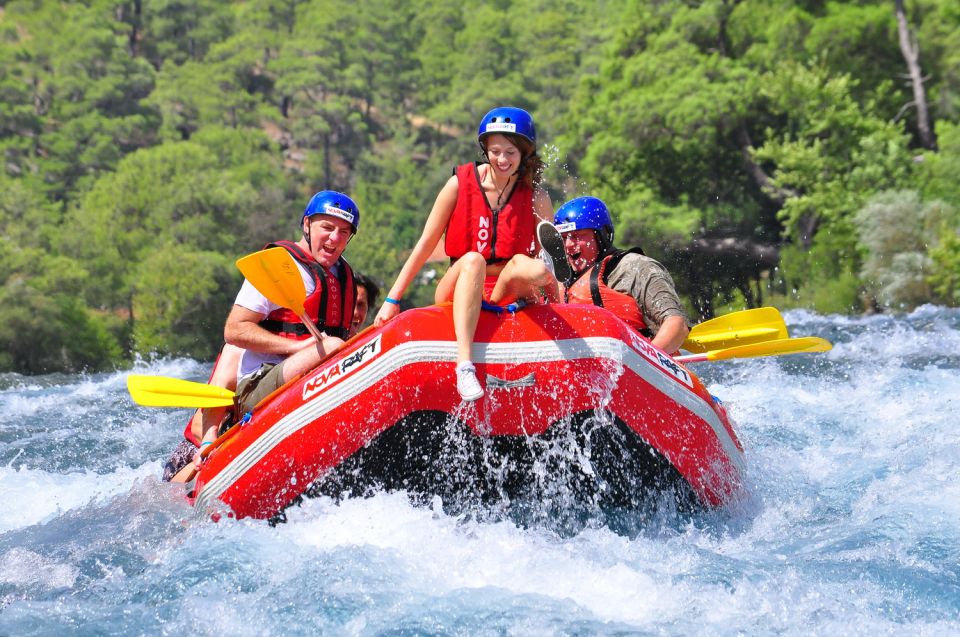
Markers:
{"x": 254, "y": 388}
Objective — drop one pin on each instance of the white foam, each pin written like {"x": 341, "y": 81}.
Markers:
{"x": 33, "y": 496}
{"x": 442, "y": 554}
{"x": 24, "y": 568}
{"x": 852, "y": 459}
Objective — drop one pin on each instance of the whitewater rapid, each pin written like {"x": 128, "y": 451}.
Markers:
{"x": 852, "y": 525}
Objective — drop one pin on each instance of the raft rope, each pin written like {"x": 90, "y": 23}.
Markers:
{"x": 513, "y": 308}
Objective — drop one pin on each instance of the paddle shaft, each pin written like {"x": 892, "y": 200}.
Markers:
{"x": 806, "y": 344}
{"x": 311, "y": 327}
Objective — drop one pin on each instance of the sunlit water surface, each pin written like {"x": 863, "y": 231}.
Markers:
{"x": 852, "y": 525}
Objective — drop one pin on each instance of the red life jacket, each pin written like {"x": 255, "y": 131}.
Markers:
{"x": 496, "y": 234}
{"x": 591, "y": 287}
{"x": 330, "y": 305}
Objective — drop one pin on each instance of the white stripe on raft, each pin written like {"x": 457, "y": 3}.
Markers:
{"x": 445, "y": 352}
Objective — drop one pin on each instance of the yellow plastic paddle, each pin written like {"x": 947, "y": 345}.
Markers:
{"x": 767, "y": 348}
{"x": 737, "y": 328}
{"x": 160, "y": 391}
{"x": 276, "y": 275}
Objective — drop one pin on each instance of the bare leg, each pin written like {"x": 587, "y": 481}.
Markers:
{"x": 463, "y": 282}
{"x": 196, "y": 424}
{"x": 186, "y": 474}
{"x": 447, "y": 283}
{"x": 224, "y": 375}
{"x": 295, "y": 365}
{"x": 466, "y": 303}
{"x": 524, "y": 277}
{"x": 205, "y": 420}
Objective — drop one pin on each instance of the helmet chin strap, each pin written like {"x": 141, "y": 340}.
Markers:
{"x": 604, "y": 242}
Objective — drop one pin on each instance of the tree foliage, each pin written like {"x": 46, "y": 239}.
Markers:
{"x": 180, "y": 297}
{"x": 896, "y": 229}
{"x": 146, "y": 146}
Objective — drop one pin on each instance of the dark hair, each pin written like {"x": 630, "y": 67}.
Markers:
{"x": 373, "y": 290}
{"x": 531, "y": 166}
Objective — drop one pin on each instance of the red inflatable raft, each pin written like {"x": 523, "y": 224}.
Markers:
{"x": 572, "y": 396}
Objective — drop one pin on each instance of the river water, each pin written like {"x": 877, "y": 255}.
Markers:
{"x": 852, "y": 525}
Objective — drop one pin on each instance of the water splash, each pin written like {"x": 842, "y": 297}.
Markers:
{"x": 852, "y": 525}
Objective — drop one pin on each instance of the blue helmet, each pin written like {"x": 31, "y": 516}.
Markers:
{"x": 508, "y": 120}
{"x": 334, "y": 204}
{"x": 582, "y": 213}
{"x": 586, "y": 213}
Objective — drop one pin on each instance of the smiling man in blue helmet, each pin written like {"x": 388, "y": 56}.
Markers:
{"x": 268, "y": 345}
{"x": 277, "y": 345}
{"x": 636, "y": 288}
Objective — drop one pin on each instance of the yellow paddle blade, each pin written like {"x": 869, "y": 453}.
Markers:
{"x": 735, "y": 329}
{"x": 276, "y": 275}
{"x": 160, "y": 391}
{"x": 773, "y": 348}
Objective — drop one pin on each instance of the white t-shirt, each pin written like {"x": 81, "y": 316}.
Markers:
{"x": 250, "y": 298}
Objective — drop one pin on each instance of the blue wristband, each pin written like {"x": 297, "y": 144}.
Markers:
{"x": 204, "y": 444}
{"x": 391, "y": 301}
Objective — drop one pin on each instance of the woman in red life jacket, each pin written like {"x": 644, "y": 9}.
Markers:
{"x": 636, "y": 288}
{"x": 489, "y": 212}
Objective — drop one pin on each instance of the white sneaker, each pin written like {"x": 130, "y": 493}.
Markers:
{"x": 467, "y": 383}
{"x": 552, "y": 243}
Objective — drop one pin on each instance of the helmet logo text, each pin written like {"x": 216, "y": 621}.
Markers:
{"x": 504, "y": 127}
{"x": 339, "y": 212}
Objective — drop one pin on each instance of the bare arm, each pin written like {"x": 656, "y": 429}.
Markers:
{"x": 649, "y": 283}
{"x": 542, "y": 206}
{"x": 432, "y": 231}
{"x": 243, "y": 330}
{"x": 542, "y": 211}
{"x": 673, "y": 331}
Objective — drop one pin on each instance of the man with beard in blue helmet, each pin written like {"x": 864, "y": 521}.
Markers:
{"x": 636, "y": 288}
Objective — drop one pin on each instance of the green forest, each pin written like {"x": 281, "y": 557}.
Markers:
{"x": 794, "y": 153}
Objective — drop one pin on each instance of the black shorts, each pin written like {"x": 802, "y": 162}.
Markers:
{"x": 182, "y": 456}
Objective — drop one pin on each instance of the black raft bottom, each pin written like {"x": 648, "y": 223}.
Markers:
{"x": 588, "y": 468}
